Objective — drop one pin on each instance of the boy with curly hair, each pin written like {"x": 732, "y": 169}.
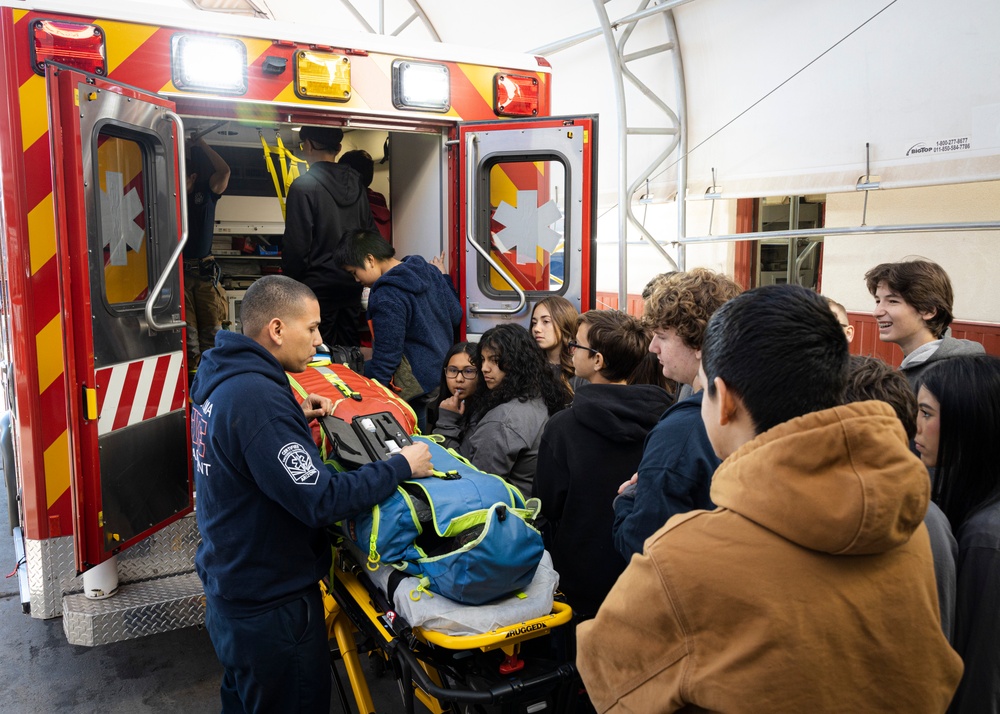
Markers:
{"x": 677, "y": 459}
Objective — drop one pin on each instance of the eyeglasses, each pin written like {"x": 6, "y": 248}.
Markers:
{"x": 573, "y": 345}
{"x": 467, "y": 372}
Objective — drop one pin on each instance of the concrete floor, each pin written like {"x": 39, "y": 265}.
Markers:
{"x": 171, "y": 672}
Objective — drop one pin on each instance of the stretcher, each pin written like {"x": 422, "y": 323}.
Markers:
{"x": 491, "y": 671}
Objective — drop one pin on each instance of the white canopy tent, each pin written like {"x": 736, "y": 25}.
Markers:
{"x": 763, "y": 98}
{"x": 782, "y": 96}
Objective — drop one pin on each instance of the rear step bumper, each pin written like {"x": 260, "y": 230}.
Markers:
{"x": 136, "y": 610}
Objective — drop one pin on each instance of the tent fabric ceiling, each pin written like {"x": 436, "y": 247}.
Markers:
{"x": 782, "y": 95}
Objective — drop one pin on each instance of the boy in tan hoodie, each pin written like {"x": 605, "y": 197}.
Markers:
{"x": 811, "y": 587}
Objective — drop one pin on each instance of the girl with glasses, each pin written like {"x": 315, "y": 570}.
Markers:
{"x": 459, "y": 377}
{"x": 499, "y": 429}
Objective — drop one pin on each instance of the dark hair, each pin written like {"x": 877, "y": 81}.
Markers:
{"x": 357, "y": 244}
{"x": 323, "y": 138}
{"x": 967, "y": 477}
{"x": 650, "y": 371}
{"x": 269, "y": 297}
{"x": 922, "y": 284}
{"x": 780, "y": 349}
{"x": 564, "y": 322}
{"x": 469, "y": 348}
{"x": 620, "y": 338}
{"x": 361, "y": 161}
{"x": 526, "y": 372}
{"x": 686, "y": 301}
{"x": 871, "y": 378}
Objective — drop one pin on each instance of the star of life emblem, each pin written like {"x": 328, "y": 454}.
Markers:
{"x": 298, "y": 464}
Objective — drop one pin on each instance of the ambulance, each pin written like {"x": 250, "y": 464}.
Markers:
{"x": 95, "y": 111}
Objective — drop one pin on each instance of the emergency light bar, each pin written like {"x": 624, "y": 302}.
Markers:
{"x": 421, "y": 85}
{"x": 208, "y": 64}
{"x": 322, "y": 75}
{"x": 70, "y": 43}
{"x": 515, "y": 95}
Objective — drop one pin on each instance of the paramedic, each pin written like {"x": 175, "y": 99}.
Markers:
{"x": 798, "y": 593}
{"x": 323, "y": 203}
{"x": 265, "y": 498}
{"x": 205, "y": 305}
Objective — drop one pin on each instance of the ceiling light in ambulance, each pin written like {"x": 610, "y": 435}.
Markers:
{"x": 209, "y": 64}
{"x": 70, "y": 43}
{"x": 322, "y": 75}
{"x": 515, "y": 95}
{"x": 420, "y": 85}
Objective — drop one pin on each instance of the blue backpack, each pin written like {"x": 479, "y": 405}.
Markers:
{"x": 466, "y": 534}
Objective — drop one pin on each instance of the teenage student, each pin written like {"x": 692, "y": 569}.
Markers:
{"x": 913, "y": 308}
{"x": 590, "y": 448}
{"x": 413, "y": 311}
{"x": 553, "y": 325}
{"x": 811, "y": 587}
{"x": 500, "y": 427}
{"x": 957, "y": 424}
{"x": 871, "y": 378}
{"x": 459, "y": 378}
{"x": 677, "y": 459}
{"x": 840, "y": 312}
{"x": 322, "y": 204}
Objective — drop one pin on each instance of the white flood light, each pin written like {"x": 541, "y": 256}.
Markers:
{"x": 420, "y": 85}
{"x": 209, "y": 64}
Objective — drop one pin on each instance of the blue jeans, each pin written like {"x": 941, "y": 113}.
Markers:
{"x": 278, "y": 661}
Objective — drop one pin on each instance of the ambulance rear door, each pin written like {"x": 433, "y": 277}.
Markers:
{"x": 117, "y": 188}
{"x": 526, "y": 216}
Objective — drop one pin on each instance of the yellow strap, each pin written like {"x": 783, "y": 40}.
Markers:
{"x": 289, "y": 170}
{"x": 290, "y": 173}
{"x": 269, "y": 162}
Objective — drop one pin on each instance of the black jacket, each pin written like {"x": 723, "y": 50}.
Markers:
{"x": 321, "y": 204}
{"x": 587, "y": 451}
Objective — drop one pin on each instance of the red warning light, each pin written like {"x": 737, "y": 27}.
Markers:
{"x": 69, "y": 43}
{"x": 515, "y": 95}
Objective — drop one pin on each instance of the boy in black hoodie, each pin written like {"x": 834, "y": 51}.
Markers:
{"x": 589, "y": 449}
{"x": 265, "y": 498}
{"x": 321, "y": 204}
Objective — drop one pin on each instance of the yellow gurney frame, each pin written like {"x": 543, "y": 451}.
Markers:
{"x": 354, "y": 605}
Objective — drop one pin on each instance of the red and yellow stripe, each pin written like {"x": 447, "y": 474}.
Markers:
{"x": 139, "y": 55}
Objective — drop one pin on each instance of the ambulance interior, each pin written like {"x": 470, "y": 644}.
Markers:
{"x": 410, "y": 168}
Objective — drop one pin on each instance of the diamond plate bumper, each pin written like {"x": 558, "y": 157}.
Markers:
{"x": 138, "y": 609}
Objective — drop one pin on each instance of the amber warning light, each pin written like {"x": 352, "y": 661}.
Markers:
{"x": 515, "y": 95}
{"x": 79, "y": 46}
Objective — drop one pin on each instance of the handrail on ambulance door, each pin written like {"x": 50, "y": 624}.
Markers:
{"x": 175, "y": 256}
{"x": 472, "y": 159}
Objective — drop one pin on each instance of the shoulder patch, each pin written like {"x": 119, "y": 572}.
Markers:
{"x": 298, "y": 464}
